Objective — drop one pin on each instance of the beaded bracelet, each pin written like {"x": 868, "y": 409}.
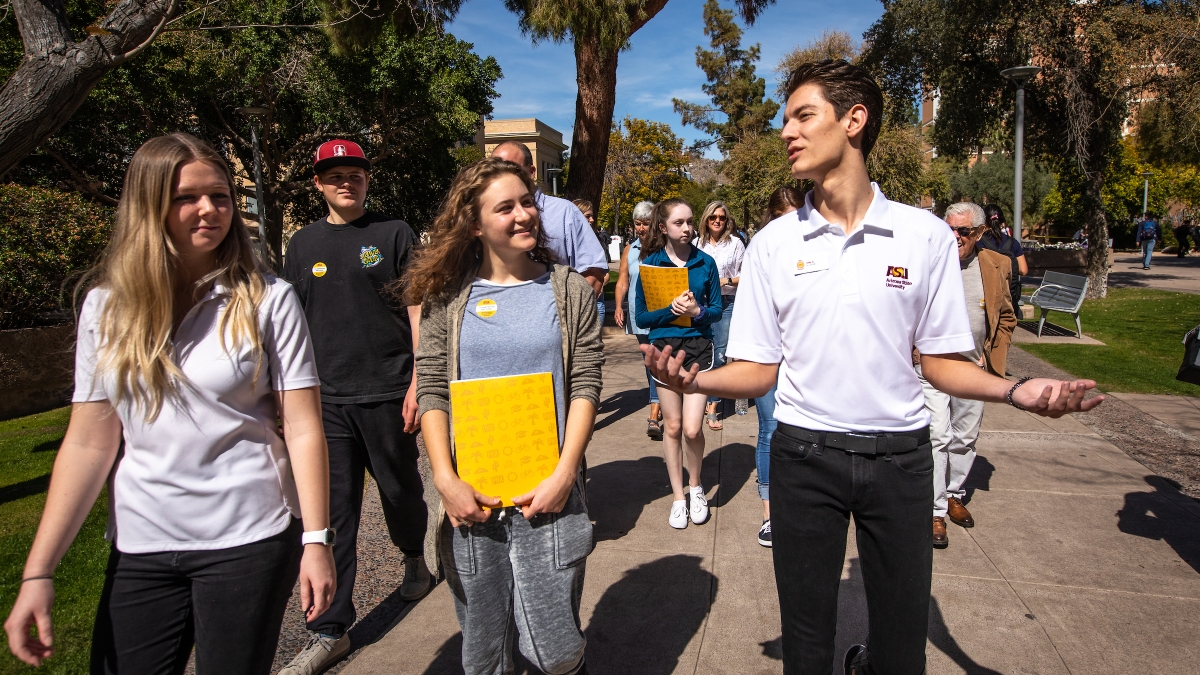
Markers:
{"x": 1013, "y": 389}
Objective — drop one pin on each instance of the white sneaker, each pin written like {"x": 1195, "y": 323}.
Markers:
{"x": 321, "y": 654}
{"x": 699, "y": 505}
{"x": 679, "y": 514}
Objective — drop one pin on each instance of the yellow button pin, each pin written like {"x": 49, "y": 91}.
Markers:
{"x": 320, "y": 269}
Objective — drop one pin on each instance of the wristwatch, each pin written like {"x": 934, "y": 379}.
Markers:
{"x": 325, "y": 536}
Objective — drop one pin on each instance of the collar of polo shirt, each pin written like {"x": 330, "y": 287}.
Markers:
{"x": 877, "y": 221}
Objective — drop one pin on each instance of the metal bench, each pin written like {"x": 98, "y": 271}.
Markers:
{"x": 1059, "y": 293}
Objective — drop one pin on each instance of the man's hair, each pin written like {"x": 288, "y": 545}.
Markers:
{"x": 520, "y": 146}
{"x": 582, "y": 204}
{"x": 971, "y": 209}
{"x": 844, "y": 85}
{"x": 643, "y": 210}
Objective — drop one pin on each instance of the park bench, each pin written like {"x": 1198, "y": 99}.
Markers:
{"x": 1059, "y": 293}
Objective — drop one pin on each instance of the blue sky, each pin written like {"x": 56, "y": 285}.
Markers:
{"x": 661, "y": 64}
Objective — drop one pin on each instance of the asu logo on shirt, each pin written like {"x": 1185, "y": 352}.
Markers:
{"x": 897, "y": 277}
{"x": 370, "y": 256}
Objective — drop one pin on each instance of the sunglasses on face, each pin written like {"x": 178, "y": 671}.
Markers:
{"x": 719, "y": 218}
{"x": 964, "y": 232}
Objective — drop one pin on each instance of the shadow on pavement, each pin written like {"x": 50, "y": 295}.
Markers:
{"x": 940, "y": 637}
{"x": 1153, "y": 516}
{"x": 644, "y": 622}
{"x": 621, "y": 405}
{"x": 619, "y": 491}
{"x": 980, "y": 477}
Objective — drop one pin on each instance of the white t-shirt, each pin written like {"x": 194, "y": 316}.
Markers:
{"x": 728, "y": 255}
{"x": 841, "y": 314}
{"x": 211, "y": 471}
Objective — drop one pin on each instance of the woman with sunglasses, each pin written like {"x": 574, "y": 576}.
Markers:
{"x": 717, "y": 240}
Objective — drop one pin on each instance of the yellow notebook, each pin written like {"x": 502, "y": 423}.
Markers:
{"x": 662, "y": 285}
{"x": 505, "y": 433}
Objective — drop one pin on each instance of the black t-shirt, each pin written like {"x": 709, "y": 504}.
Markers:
{"x": 360, "y": 328}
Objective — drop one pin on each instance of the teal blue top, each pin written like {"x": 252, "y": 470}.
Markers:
{"x": 704, "y": 283}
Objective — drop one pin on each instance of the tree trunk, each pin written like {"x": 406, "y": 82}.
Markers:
{"x": 1096, "y": 226}
{"x": 57, "y": 73}
{"x": 596, "y": 76}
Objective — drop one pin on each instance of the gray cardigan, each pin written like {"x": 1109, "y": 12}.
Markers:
{"x": 437, "y": 365}
{"x": 583, "y": 355}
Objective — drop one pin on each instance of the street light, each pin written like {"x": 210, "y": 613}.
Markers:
{"x": 553, "y": 173}
{"x": 1019, "y": 76}
{"x": 1145, "y": 190}
{"x": 256, "y": 113}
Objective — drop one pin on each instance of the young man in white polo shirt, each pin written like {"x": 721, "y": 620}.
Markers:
{"x": 832, "y": 300}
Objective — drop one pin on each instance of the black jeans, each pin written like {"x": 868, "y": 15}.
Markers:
{"x": 814, "y": 491}
{"x": 229, "y": 603}
{"x": 370, "y": 437}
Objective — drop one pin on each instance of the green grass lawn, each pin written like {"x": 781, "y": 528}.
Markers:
{"x": 28, "y": 446}
{"x": 1142, "y": 331}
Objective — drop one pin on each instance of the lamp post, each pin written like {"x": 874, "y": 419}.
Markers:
{"x": 553, "y": 173}
{"x": 1019, "y": 76}
{"x": 1145, "y": 190}
{"x": 256, "y": 113}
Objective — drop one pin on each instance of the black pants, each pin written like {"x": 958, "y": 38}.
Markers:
{"x": 369, "y": 436}
{"x": 229, "y": 603}
{"x": 814, "y": 491}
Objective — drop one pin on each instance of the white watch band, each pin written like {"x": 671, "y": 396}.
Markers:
{"x": 325, "y": 536}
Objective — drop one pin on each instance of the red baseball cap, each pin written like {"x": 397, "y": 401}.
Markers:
{"x": 339, "y": 152}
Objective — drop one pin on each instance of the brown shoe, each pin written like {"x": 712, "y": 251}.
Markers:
{"x": 959, "y": 515}
{"x": 939, "y": 533}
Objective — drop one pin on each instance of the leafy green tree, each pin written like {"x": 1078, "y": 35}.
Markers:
{"x": 645, "y": 161}
{"x": 407, "y": 98}
{"x": 756, "y": 166}
{"x": 599, "y": 31}
{"x": 991, "y": 182}
{"x": 831, "y": 44}
{"x": 1096, "y": 57}
{"x": 739, "y": 103}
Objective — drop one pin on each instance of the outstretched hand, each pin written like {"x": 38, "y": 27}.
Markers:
{"x": 1055, "y": 398}
{"x": 670, "y": 371}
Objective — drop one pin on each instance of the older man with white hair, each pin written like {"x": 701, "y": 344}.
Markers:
{"x": 955, "y": 422}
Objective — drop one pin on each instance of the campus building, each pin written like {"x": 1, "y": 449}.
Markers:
{"x": 545, "y": 142}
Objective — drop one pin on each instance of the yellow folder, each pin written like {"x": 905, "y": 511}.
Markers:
{"x": 505, "y": 433}
{"x": 662, "y": 285}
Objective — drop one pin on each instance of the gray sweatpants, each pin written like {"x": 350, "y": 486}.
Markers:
{"x": 515, "y": 577}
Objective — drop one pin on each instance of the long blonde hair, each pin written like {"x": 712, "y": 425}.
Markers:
{"x": 726, "y": 230}
{"x": 439, "y": 269}
{"x": 140, "y": 269}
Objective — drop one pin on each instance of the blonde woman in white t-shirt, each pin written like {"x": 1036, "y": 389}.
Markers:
{"x": 717, "y": 238}
{"x": 191, "y": 353}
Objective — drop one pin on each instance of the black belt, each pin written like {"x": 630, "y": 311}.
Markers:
{"x": 895, "y": 443}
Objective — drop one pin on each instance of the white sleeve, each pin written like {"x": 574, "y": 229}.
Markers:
{"x": 87, "y": 388}
{"x": 286, "y": 341}
{"x": 754, "y": 332}
{"x": 739, "y": 255}
{"x": 588, "y": 253}
{"x": 944, "y": 327}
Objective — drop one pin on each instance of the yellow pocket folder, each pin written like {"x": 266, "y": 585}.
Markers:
{"x": 661, "y": 286}
{"x": 505, "y": 433}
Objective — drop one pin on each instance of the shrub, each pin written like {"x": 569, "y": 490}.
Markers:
{"x": 47, "y": 237}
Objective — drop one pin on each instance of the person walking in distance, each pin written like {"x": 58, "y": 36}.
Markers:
{"x": 832, "y": 300}
{"x": 627, "y": 277}
{"x": 342, "y": 267}
{"x": 1181, "y": 237}
{"x": 669, "y": 245}
{"x": 194, "y": 356}
{"x": 954, "y": 422}
{"x": 589, "y": 214}
{"x": 995, "y": 239}
{"x": 569, "y": 235}
{"x": 782, "y": 201}
{"x": 717, "y": 228}
{"x": 1149, "y": 233}
{"x": 494, "y": 305}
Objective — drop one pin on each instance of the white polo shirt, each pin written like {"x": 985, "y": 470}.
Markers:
{"x": 211, "y": 471}
{"x": 841, "y": 314}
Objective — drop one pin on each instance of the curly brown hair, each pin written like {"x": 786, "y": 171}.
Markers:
{"x": 439, "y": 269}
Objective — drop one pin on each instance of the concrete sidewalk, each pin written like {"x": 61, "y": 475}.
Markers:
{"x": 1082, "y": 561}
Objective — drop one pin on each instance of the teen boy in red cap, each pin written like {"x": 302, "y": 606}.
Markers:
{"x": 364, "y": 343}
